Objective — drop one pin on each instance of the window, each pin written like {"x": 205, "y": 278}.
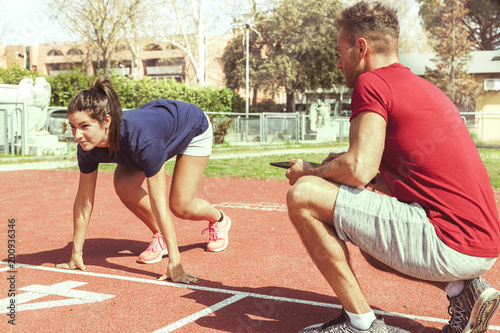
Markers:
{"x": 153, "y": 47}
{"x": 54, "y": 52}
{"x": 74, "y": 51}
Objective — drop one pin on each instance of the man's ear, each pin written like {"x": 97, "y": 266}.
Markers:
{"x": 362, "y": 47}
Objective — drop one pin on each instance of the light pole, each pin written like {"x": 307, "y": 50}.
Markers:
{"x": 248, "y": 19}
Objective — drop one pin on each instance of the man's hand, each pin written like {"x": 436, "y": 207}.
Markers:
{"x": 177, "y": 274}
{"x": 331, "y": 157}
{"x": 76, "y": 262}
{"x": 298, "y": 168}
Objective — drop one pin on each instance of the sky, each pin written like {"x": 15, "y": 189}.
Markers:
{"x": 28, "y": 22}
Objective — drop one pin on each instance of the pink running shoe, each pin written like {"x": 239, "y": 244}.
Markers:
{"x": 155, "y": 251}
{"x": 218, "y": 234}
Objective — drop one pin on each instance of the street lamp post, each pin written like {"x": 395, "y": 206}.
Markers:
{"x": 248, "y": 19}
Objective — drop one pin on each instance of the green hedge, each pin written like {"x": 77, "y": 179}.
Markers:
{"x": 134, "y": 93}
{"x": 15, "y": 73}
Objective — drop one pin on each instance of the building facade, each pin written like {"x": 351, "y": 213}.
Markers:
{"x": 152, "y": 58}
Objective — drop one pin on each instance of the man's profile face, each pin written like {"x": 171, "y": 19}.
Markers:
{"x": 348, "y": 62}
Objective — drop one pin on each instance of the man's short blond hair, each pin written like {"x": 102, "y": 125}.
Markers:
{"x": 375, "y": 22}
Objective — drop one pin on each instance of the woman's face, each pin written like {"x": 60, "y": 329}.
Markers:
{"x": 89, "y": 132}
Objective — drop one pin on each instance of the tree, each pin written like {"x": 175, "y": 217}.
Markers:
{"x": 412, "y": 36}
{"x": 481, "y": 21}
{"x": 234, "y": 57}
{"x": 295, "y": 50}
{"x": 189, "y": 30}
{"x": 102, "y": 24}
{"x": 452, "y": 47}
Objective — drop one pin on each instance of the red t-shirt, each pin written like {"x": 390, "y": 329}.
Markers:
{"x": 430, "y": 158}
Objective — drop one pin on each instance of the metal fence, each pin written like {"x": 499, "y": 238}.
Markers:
{"x": 13, "y": 127}
{"x": 484, "y": 126}
{"x": 254, "y": 127}
{"x": 273, "y": 127}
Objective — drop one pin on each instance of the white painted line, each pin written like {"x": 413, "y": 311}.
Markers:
{"x": 200, "y": 314}
{"x": 265, "y": 206}
{"x": 63, "y": 289}
{"x": 232, "y": 292}
{"x": 48, "y": 304}
{"x": 422, "y": 318}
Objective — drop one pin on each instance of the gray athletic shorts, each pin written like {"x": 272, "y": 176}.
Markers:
{"x": 201, "y": 145}
{"x": 401, "y": 236}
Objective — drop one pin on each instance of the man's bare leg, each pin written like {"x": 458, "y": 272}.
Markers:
{"x": 311, "y": 203}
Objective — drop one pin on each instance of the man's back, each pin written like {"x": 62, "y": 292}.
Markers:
{"x": 430, "y": 158}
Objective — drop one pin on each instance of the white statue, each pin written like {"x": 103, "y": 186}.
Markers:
{"x": 38, "y": 97}
{"x": 319, "y": 115}
{"x": 324, "y": 112}
{"x": 313, "y": 114}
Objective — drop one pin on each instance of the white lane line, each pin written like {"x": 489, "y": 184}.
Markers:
{"x": 200, "y": 314}
{"x": 232, "y": 292}
{"x": 264, "y": 206}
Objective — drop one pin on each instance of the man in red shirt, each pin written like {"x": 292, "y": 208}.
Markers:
{"x": 433, "y": 216}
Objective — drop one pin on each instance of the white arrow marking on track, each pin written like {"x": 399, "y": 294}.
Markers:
{"x": 63, "y": 289}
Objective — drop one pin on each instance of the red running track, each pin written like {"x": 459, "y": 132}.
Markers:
{"x": 263, "y": 282}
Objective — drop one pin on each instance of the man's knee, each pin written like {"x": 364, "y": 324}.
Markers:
{"x": 299, "y": 193}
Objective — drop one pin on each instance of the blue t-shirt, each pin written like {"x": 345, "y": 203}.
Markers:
{"x": 149, "y": 136}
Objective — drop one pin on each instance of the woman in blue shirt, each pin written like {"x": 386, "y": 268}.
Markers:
{"x": 140, "y": 142}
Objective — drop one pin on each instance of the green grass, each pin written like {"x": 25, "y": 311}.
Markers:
{"x": 248, "y": 167}
{"x": 491, "y": 160}
{"x": 255, "y": 167}
{"x": 258, "y": 167}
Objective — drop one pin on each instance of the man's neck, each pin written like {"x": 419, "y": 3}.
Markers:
{"x": 379, "y": 61}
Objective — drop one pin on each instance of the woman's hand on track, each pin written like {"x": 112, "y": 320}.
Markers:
{"x": 177, "y": 274}
{"x": 75, "y": 263}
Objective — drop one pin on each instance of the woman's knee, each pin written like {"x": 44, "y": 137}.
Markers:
{"x": 181, "y": 208}
{"x": 121, "y": 186}
{"x": 126, "y": 182}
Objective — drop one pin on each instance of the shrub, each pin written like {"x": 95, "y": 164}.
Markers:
{"x": 134, "y": 93}
{"x": 15, "y": 73}
{"x": 65, "y": 86}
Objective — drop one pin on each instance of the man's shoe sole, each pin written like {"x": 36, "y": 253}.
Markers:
{"x": 483, "y": 310}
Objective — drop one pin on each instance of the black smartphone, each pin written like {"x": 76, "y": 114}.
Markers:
{"x": 286, "y": 165}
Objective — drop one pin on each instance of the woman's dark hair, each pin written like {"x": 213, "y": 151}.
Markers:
{"x": 374, "y": 21}
{"x": 99, "y": 101}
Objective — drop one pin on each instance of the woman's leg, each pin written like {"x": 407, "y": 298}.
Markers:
{"x": 128, "y": 187}
{"x": 185, "y": 204}
{"x": 186, "y": 180}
